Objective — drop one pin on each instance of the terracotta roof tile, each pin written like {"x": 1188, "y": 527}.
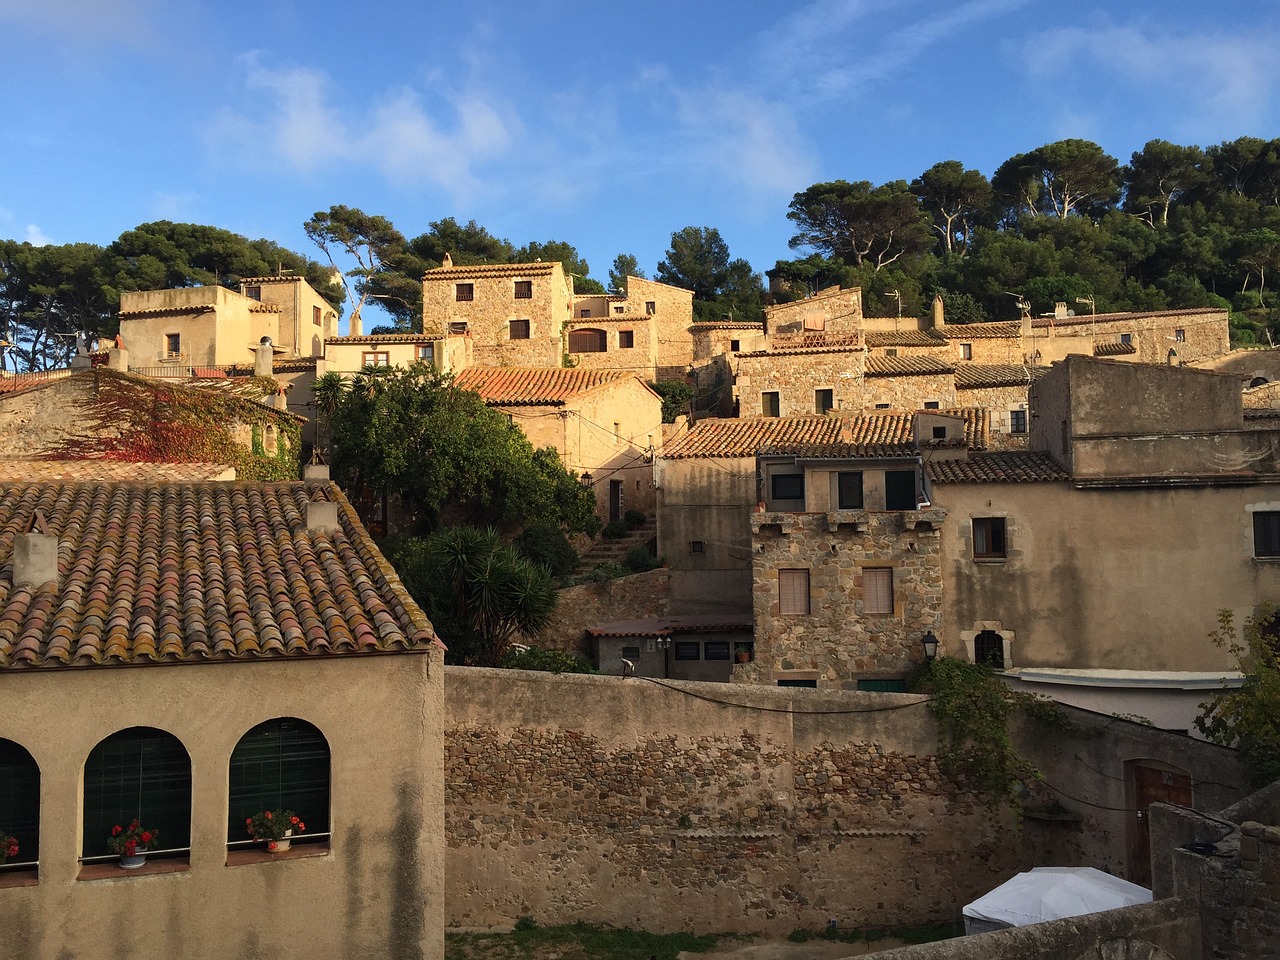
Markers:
{"x": 386, "y": 338}
{"x": 970, "y": 376}
{"x": 528, "y": 386}
{"x": 119, "y": 470}
{"x": 1113, "y": 349}
{"x": 905, "y": 338}
{"x": 487, "y": 270}
{"x": 286, "y": 278}
{"x": 906, "y": 366}
{"x": 193, "y": 572}
{"x": 726, "y": 325}
{"x": 1010, "y": 467}
{"x": 16, "y": 383}
{"x": 995, "y": 330}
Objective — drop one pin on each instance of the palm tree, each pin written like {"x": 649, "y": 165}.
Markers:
{"x": 328, "y": 392}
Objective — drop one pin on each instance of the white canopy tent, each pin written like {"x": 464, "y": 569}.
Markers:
{"x": 1050, "y": 893}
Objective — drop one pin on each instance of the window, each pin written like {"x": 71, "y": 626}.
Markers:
{"x": 464, "y": 291}
{"x": 786, "y": 486}
{"x": 877, "y": 591}
{"x": 1126, "y": 338}
{"x": 626, "y": 339}
{"x": 427, "y": 353}
{"x": 966, "y": 351}
{"x": 375, "y": 358}
{"x": 282, "y": 764}
{"x": 823, "y": 400}
{"x": 631, "y": 653}
{"x": 173, "y": 344}
{"x": 1180, "y": 335}
{"x": 988, "y": 648}
{"x": 687, "y": 650}
{"x": 797, "y": 682}
{"x": 617, "y": 432}
{"x": 518, "y": 330}
{"x": 770, "y": 404}
{"x": 931, "y": 404}
{"x": 651, "y": 307}
{"x": 1266, "y": 533}
{"x": 793, "y": 593}
{"x": 619, "y": 310}
{"x": 988, "y": 537}
{"x": 939, "y": 433}
{"x": 1017, "y": 421}
{"x": 849, "y": 489}
{"x": 253, "y": 293}
{"x": 891, "y": 352}
{"x": 588, "y": 341}
{"x": 19, "y": 802}
{"x": 697, "y": 546}
{"x": 882, "y": 686}
{"x": 715, "y": 650}
{"x": 524, "y": 289}
{"x": 316, "y": 316}
{"x": 899, "y": 489}
{"x": 140, "y": 772}
{"x": 735, "y": 345}
{"x": 458, "y": 328}
{"x": 882, "y": 406}
{"x": 584, "y": 312}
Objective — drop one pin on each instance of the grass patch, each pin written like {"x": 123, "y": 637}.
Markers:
{"x": 924, "y": 933}
{"x": 577, "y": 941}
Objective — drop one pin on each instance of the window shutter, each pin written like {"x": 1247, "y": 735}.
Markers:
{"x": 281, "y": 764}
{"x": 793, "y": 592}
{"x": 877, "y": 590}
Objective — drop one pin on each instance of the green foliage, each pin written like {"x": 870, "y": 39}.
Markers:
{"x": 576, "y": 940}
{"x": 545, "y": 543}
{"x": 640, "y": 560}
{"x": 676, "y": 395}
{"x": 624, "y": 265}
{"x": 479, "y": 592}
{"x": 974, "y": 707}
{"x": 547, "y": 661}
{"x": 615, "y": 529}
{"x": 411, "y": 432}
{"x": 1248, "y": 718}
{"x": 525, "y": 923}
{"x": 635, "y": 518}
{"x": 698, "y": 260}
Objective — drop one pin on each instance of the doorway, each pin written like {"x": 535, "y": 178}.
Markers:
{"x": 1150, "y": 781}
{"x": 615, "y": 500}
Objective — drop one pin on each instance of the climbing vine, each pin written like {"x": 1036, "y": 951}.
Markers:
{"x": 974, "y": 709}
{"x": 141, "y": 421}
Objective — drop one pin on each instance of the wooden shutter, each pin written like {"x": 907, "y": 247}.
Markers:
{"x": 877, "y": 590}
{"x": 793, "y": 592}
{"x": 140, "y": 772}
{"x": 281, "y": 764}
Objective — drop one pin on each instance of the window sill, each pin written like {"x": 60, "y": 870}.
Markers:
{"x": 113, "y": 871}
{"x": 1266, "y": 559}
{"x": 996, "y": 560}
{"x": 19, "y": 878}
{"x": 299, "y": 851}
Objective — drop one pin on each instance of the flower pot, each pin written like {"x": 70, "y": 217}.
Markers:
{"x": 280, "y": 845}
{"x": 744, "y": 657}
{"x": 133, "y": 863}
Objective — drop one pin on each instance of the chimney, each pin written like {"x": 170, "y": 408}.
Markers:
{"x": 446, "y": 261}
{"x": 118, "y": 357}
{"x": 262, "y": 365}
{"x": 322, "y": 513}
{"x": 35, "y": 555}
{"x": 281, "y": 399}
{"x": 939, "y": 320}
{"x": 1060, "y": 311}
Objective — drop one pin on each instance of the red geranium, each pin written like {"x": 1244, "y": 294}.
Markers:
{"x": 273, "y": 824}
{"x": 8, "y": 847}
{"x": 126, "y": 841}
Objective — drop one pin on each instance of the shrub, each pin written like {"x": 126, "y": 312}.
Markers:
{"x": 545, "y": 543}
{"x": 635, "y": 518}
{"x": 615, "y": 529}
{"x": 547, "y": 661}
{"x": 639, "y": 559}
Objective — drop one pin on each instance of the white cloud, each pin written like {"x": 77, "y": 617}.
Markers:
{"x": 36, "y": 237}
{"x": 1214, "y": 79}
{"x": 93, "y": 23}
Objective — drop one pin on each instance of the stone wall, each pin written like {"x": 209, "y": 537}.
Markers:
{"x": 837, "y": 638}
{"x": 795, "y": 376}
{"x": 668, "y": 805}
{"x": 839, "y": 311}
{"x": 641, "y": 357}
{"x": 909, "y": 392}
{"x": 999, "y": 401}
{"x": 591, "y": 604}
{"x": 488, "y": 314}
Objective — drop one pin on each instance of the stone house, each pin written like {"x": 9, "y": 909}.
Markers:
{"x": 1171, "y": 337}
{"x": 648, "y": 331}
{"x": 350, "y": 355}
{"x": 605, "y": 425}
{"x": 190, "y": 654}
{"x": 166, "y": 331}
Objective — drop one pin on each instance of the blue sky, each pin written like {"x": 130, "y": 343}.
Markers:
{"x": 606, "y": 125}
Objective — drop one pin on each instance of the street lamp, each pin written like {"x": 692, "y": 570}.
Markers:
{"x": 586, "y": 480}
{"x": 930, "y": 644}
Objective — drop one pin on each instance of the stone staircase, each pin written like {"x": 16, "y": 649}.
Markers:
{"x": 605, "y": 549}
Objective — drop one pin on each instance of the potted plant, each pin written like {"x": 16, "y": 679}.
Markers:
{"x": 8, "y": 847}
{"x": 742, "y": 653}
{"x": 131, "y": 843}
{"x": 276, "y": 827}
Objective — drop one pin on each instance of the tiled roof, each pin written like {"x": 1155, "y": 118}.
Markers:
{"x": 611, "y": 318}
{"x": 904, "y": 338}
{"x": 25, "y": 381}
{"x": 529, "y": 386}
{"x": 1113, "y": 349}
{"x": 970, "y": 376}
{"x": 746, "y": 438}
{"x": 265, "y": 308}
{"x": 807, "y": 343}
{"x": 666, "y": 626}
{"x": 73, "y": 470}
{"x": 906, "y": 366}
{"x": 996, "y": 330}
{"x": 196, "y": 572}
{"x": 726, "y": 325}
{"x": 490, "y": 270}
{"x": 286, "y": 278}
{"x": 1080, "y": 319}
{"x": 169, "y": 311}
{"x": 386, "y": 338}
{"x": 871, "y": 435}
{"x": 1011, "y": 467}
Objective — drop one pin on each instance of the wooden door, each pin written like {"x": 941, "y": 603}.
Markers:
{"x": 615, "y": 499}
{"x": 1152, "y": 785}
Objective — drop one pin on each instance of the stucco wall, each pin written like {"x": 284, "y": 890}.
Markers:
{"x": 376, "y": 892}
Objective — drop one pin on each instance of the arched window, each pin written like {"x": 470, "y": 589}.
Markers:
{"x": 280, "y": 764}
{"x": 19, "y": 803}
{"x": 988, "y": 648}
{"x": 1258, "y": 381}
{"x": 588, "y": 341}
{"x": 139, "y": 772}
